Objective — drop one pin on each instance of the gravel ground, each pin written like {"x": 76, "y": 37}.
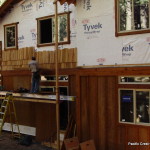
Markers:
{"x": 9, "y": 143}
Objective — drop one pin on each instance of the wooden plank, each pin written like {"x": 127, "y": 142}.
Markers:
{"x": 34, "y": 100}
{"x": 112, "y": 114}
{"x": 21, "y": 82}
{"x": 144, "y": 138}
{"x": 121, "y": 138}
{"x": 45, "y": 121}
{"x": 132, "y": 137}
{"x": 72, "y": 143}
{"x": 25, "y": 113}
{"x": 102, "y": 98}
{"x": 85, "y": 132}
{"x": 78, "y": 106}
{"x": 88, "y": 145}
{"x": 93, "y": 108}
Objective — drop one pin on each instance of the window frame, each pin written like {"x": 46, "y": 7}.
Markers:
{"x": 134, "y": 106}
{"x": 53, "y": 43}
{"x": 133, "y": 83}
{"x": 124, "y": 33}
{"x": 54, "y": 80}
{"x": 16, "y": 36}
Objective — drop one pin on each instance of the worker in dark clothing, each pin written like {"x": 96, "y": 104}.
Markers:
{"x": 34, "y": 67}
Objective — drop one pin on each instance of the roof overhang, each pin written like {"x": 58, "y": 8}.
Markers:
{"x": 6, "y": 6}
{"x": 68, "y": 1}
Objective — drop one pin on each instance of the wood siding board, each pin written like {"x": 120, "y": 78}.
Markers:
{"x": 72, "y": 91}
{"x": 144, "y": 138}
{"x": 78, "y": 106}
{"x": 121, "y": 138}
{"x": 7, "y": 83}
{"x": 45, "y": 121}
{"x": 84, "y": 109}
{"x": 25, "y": 113}
{"x": 102, "y": 112}
{"x": 111, "y": 134}
{"x": 132, "y": 136}
{"x": 21, "y": 82}
{"x": 93, "y": 109}
{"x": 111, "y": 114}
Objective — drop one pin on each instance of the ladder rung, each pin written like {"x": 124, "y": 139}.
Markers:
{"x": 4, "y": 106}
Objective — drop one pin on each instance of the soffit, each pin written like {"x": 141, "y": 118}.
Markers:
{"x": 6, "y": 6}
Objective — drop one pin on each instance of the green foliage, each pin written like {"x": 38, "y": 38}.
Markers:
{"x": 141, "y": 9}
{"x": 63, "y": 28}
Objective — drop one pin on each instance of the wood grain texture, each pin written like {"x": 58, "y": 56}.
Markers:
{"x": 96, "y": 110}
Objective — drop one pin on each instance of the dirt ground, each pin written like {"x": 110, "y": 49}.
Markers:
{"x": 9, "y": 143}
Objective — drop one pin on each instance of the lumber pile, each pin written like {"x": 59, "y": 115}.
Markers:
{"x": 18, "y": 59}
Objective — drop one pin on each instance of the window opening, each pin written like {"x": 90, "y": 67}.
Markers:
{"x": 10, "y": 34}
{"x": 134, "y": 106}
{"x": 134, "y": 80}
{"x": 132, "y": 16}
{"x": 46, "y": 29}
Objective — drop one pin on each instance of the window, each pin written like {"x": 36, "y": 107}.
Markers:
{"x": 126, "y": 105}
{"x": 132, "y": 17}
{"x": 51, "y": 78}
{"x": 134, "y": 80}
{"x": 46, "y": 29}
{"x": 134, "y": 106}
{"x": 10, "y": 36}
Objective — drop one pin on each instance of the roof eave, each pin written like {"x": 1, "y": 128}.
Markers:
{"x": 7, "y": 6}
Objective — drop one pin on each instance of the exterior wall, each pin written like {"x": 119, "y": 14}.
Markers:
{"x": 92, "y": 32}
{"x": 100, "y": 44}
{"x": 97, "y": 109}
{"x": 26, "y": 13}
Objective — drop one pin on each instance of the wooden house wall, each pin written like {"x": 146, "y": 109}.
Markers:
{"x": 97, "y": 113}
{"x": 96, "y": 109}
{"x": 38, "y": 115}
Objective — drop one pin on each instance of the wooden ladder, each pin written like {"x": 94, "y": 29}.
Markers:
{"x": 8, "y": 107}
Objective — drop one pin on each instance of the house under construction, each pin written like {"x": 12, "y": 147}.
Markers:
{"x": 103, "y": 69}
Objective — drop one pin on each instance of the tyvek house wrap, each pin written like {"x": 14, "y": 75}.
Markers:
{"x": 26, "y": 12}
{"x": 96, "y": 41}
{"x": 92, "y": 26}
